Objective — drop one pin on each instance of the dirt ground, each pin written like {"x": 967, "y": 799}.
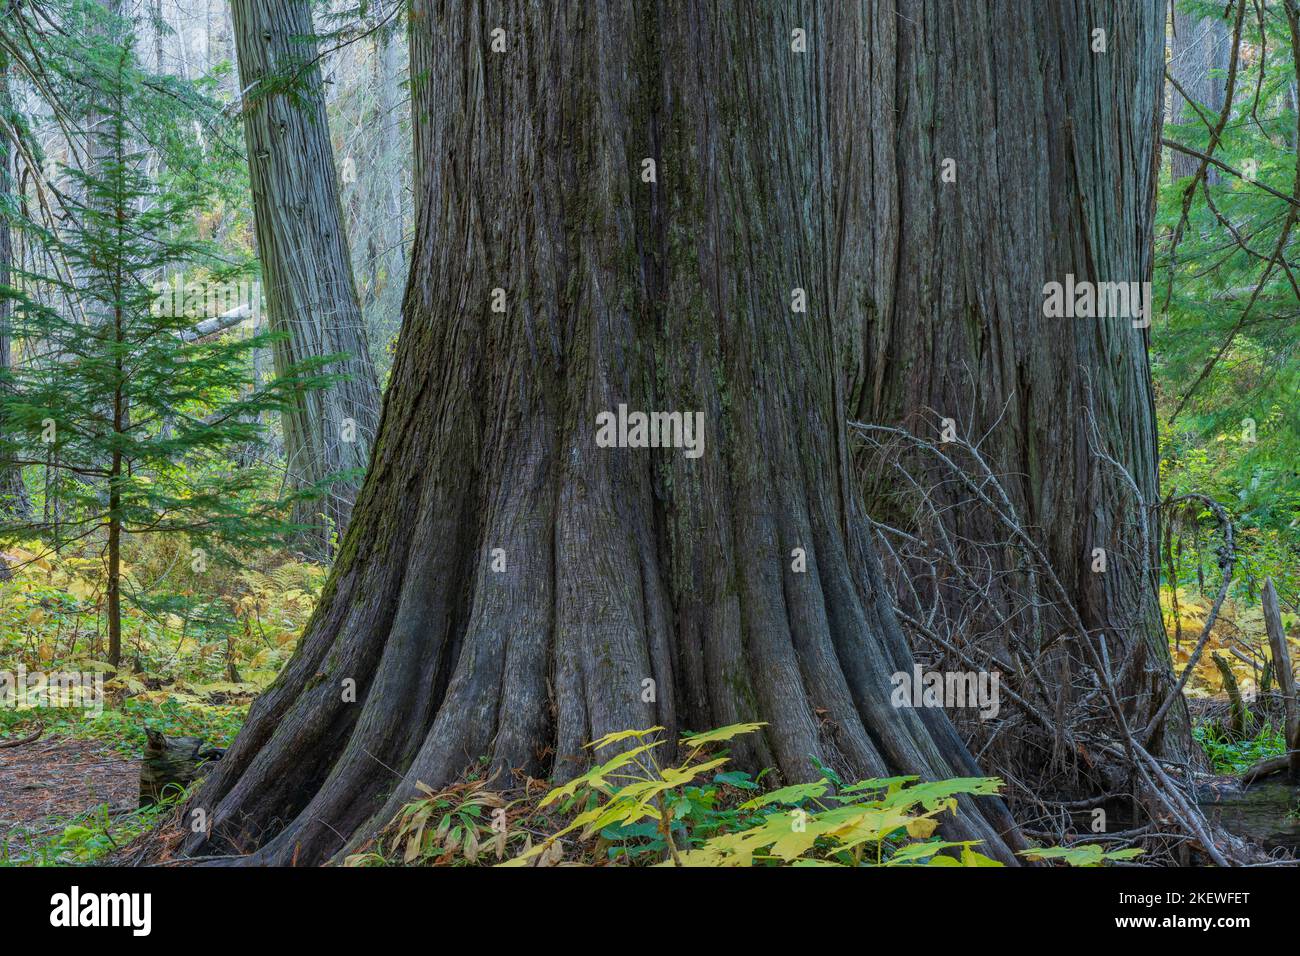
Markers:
{"x": 46, "y": 783}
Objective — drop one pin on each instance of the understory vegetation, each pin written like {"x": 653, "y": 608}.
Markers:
{"x": 1226, "y": 356}
{"x": 630, "y": 810}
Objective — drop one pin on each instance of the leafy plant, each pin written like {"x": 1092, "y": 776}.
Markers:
{"x": 461, "y": 823}
{"x": 1232, "y": 757}
{"x": 1085, "y": 854}
{"x": 632, "y": 798}
{"x": 89, "y": 837}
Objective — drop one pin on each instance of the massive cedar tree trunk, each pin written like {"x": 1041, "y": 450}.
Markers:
{"x": 306, "y": 266}
{"x": 621, "y": 565}
{"x": 1055, "y": 151}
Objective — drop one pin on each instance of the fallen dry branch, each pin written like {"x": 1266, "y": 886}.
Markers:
{"x": 1059, "y": 677}
{"x": 30, "y": 738}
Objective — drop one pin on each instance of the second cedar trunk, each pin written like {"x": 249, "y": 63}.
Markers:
{"x": 1013, "y": 147}
{"x": 306, "y": 266}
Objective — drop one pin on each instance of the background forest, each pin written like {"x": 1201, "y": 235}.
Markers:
{"x": 179, "y": 453}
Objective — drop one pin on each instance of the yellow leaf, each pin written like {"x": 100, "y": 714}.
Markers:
{"x": 722, "y": 733}
{"x": 621, "y": 735}
{"x": 81, "y": 589}
{"x": 970, "y": 858}
{"x": 595, "y": 777}
{"x": 921, "y": 827}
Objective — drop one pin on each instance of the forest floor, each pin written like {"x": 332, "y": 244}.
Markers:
{"x": 70, "y": 796}
{"x": 48, "y": 783}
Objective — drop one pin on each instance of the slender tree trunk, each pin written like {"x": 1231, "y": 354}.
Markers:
{"x": 390, "y": 69}
{"x": 510, "y": 589}
{"x": 306, "y": 266}
{"x": 113, "y": 590}
{"x": 387, "y": 253}
{"x": 1004, "y": 150}
{"x": 121, "y": 424}
{"x": 1197, "y": 48}
{"x": 1291, "y": 101}
{"x": 111, "y": 29}
{"x": 13, "y": 493}
{"x": 156, "y": 12}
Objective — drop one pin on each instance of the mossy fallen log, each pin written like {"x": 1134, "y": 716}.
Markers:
{"x": 1266, "y": 812}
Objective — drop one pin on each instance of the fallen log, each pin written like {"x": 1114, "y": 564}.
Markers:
{"x": 1263, "y": 812}
{"x": 217, "y": 323}
{"x": 26, "y": 740}
{"x": 1266, "y": 768}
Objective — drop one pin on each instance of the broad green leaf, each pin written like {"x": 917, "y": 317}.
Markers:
{"x": 793, "y": 794}
{"x": 735, "y": 778}
{"x": 915, "y": 852}
{"x": 879, "y": 783}
{"x": 1084, "y": 854}
{"x": 936, "y": 794}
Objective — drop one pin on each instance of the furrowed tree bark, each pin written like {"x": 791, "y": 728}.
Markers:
{"x": 306, "y": 266}
{"x": 621, "y": 564}
{"x": 1197, "y": 48}
{"x": 1054, "y": 151}
{"x": 13, "y": 493}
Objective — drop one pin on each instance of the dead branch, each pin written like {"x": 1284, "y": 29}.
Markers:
{"x": 40, "y": 729}
{"x": 1073, "y": 713}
